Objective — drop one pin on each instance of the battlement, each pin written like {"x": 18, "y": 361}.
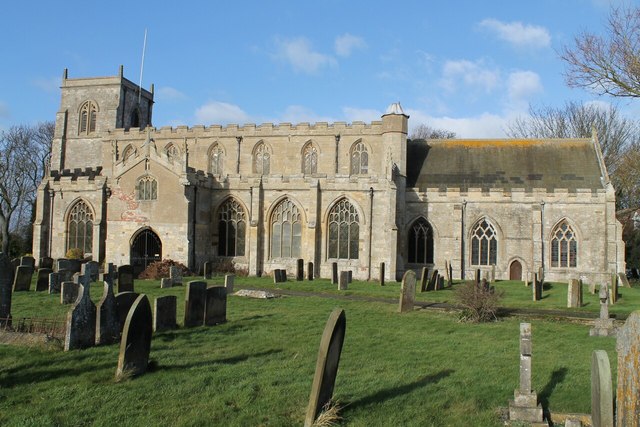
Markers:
{"x": 76, "y": 173}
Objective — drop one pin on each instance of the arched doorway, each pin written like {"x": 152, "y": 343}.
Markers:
{"x": 146, "y": 248}
{"x": 515, "y": 270}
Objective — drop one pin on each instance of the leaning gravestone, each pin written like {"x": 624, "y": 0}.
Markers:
{"x": 135, "y": 344}
{"x": 343, "y": 282}
{"x": 107, "y": 320}
{"x": 194, "y": 303}
{"x": 407, "y": 291}
{"x": 125, "y": 278}
{"x": 28, "y": 261}
{"x": 124, "y": 301}
{"x": 623, "y": 280}
{"x": 574, "y": 294}
{"x": 309, "y": 270}
{"x": 431, "y": 286}
{"x": 229, "y": 279}
{"x": 164, "y": 313}
{"x": 601, "y": 390}
{"x": 46, "y": 262}
{"x": 424, "y": 279}
{"x": 628, "y": 390}
{"x": 81, "y": 319}
{"x": 42, "y": 281}
{"x": 327, "y": 364}
{"x": 22, "y": 278}
{"x": 6, "y": 281}
{"x": 175, "y": 274}
{"x": 69, "y": 292}
{"x": 54, "y": 283}
{"x": 215, "y": 311}
{"x": 448, "y": 273}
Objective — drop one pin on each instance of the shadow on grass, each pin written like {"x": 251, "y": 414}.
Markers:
{"x": 31, "y": 375}
{"x": 225, "y": 361}
{"x": 389, "y": 393}
{"x": 557, "y": 376}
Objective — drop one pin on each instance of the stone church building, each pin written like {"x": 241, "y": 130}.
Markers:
{"x": 359, "y": 194}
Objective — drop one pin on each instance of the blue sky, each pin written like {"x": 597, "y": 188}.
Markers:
{"x": 468, "y": 66}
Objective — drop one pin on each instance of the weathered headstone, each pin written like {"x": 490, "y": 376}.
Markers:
{"x": 424, "y": 279}
{"x": 334, "y": 273}
{"x": 175, "y": 274}
{"x": 93, "y": 269}
{"x": 431, "y": 286}
{"x": 28, "y": 261}
{"x": 300, "y": 269}
{"x": 439, "y": 283}
{"x": 574, "y": 294}
{"x": 381, "y": 278}
{"x": 276, "y": 276}
{"x": 81, "y": 319}
{"x": 124, "y": 301}
{"x": 22, "y": 278}
{"x": 62, "y": 263}
{"x": 135, "y": 344}
{"x": 524, "y": 406}
{"x": 65, "y": 275}
{"x": 309, "y": 270}
{"x": 407, "y": 291}
{"x": 165, "y": 282}
{"x": 327, "y": 364}
{"x": 6, "y": 282}
{"x": 215, "y": 311}
{"x": 107, "y": 320}
{"x": 628, "y": 389}
{"x": 343, "y": 283}
{"x": 42, "y": 281}
{"x": 537, "y": 288}
{"x": 164, "y": 313}
{"x": 208, "y": 270}
{"x": 125, "y": 278}
{"x": 447, "y": 273}
{"x": 601, "y": 390}
{"x": 46, "y": 262}
{"x": 603, "y": 326}
{"x": 229, "y": 280}
{"x": 194, "y": 303}
{"x": 54, "y": 283}
{"x": 623, "y": 280}
{"x": 69, "y": 292}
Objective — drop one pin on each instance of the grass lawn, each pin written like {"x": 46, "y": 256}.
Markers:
{"x": 420, "y": 368}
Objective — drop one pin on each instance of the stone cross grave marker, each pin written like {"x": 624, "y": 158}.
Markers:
{"x": 54, "y": 283}
{"x": 601, "y": 390}
{"x": 164, "y": 313}
{"x": 215, "y": 311}
{"x": 81, "y": 319}
{"x": 194, "y": 303}
{"x": 124, "y": 301}
{"x": 175, "y": 274}
{"x": 424, "y": 279}
{"x": 343, "y": 283}
{"x": 623, "y": 280}
{"x": 69, "y": 292}
{"x": 309, "y": 270}
{"x": 229, "y": 280}
{"x": 603, "y": 326}
{"x": 431, "y": 286}
{"x": 524, "y": 406}
{"x": 574, "y": 294}
{"x": 22, "y": 278}
{"x": 334, "y": 273}
{"x": 381, "y": 272}
{"x": 42, "y": 281}
{"x": 628, "y": 390}
{"x": 407, "y": 291}
{"x": 125, "y": 278}
{"x": 327, "y": 365}
{"x": 135, "y": 344}
{"x": 300, "y": 269}
{"x": 107, "y": 320}
{"x": 6, "y": 282}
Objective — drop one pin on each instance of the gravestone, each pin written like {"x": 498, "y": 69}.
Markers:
{"x": 165, "y": 282}
{"x": 276, "y": 276}
{"x": 350, "y": 276}
{"x": 229, "y": 280}
{"x": 431, "y": 286}
{"x": 93, "y": 269}
{"x": 343, "y": 283}
{"x": 601, "y": 390}
{"x": 208, "y": 270}
{"x": 327, "y": 364}
{"x": 603, "y": 326}
{"x": 623, "y": 280}
{"x": 194, "y": 303}
{"x": 46, "y": 262}
{"x": 334, "y": 273}
{"x": 524, "y": 406}
{"x": 65, "y": 275}
{"x": 309, "y": 270}
{"x": 107, "y": 320}
{"x": 164, "y": 313}
{"x": 613, "y": 290}
{"x": 424, "y": 279}
{"x": 283, "y": 275}
{"x": 6, "y": 282}
{"x": 54, "y": 283}
{"x": 63, "y": 263}
{"x": 175, "y": 274}
{"x": 574, "y": 294}
{"x": 628, "y": 389}
{"x": 447, "y": 273}
{"x": 81, "y": 319}
{"x": 135, "y": 344}
{"x": 381, "y": 278}
{"x": 537, "y": 288}
{"x": 124, "y": 301}
{"x": 28, "y": 261}
{"x": 125, "y": 278}
{"x": 300, "y": 269}
{"x": 69, "y": 292}
{"x": 439, "y": 283}
{"x": 22, "y": 278}
{"x": 407, "y": 291}
{"x": 215, "y": 311}
{"x": 42, "y": 281}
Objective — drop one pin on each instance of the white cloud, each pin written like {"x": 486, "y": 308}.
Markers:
{"x": 518, "y": 34}
{"x": 523, "y": 84}
{"x": 473, "y": 74}
{"x": 216, "y": 112}
{"x": 50, "y": 84}
{"x": 347, "y": 43}
{"x": 167, "y": 93}
{"x": 300, "y": 55}
{"x": 485, "y": 125}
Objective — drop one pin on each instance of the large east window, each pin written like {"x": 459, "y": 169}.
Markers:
{"x": 344, "y": 231}
{"x": 232, "y": 227}
{"x": 564, "y": 246}
{"x": 80, "y": 228}
{"x": 484, "y": 244}
{"x": 286, "y": 230}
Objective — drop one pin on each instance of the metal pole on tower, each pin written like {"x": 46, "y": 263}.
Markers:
{"x": 144, "y": 48}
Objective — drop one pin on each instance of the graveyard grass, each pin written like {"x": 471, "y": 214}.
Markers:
{"x": 418, "y": 368}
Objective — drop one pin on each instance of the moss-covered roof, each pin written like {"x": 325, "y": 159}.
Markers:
{"x": 510, "y": 163}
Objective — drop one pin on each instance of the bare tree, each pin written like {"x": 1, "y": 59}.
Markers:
{"x": 427, "y": 132}
{"x": 608, "y": 64}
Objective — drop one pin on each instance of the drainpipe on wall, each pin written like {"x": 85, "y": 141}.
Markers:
{"x": 336, "y": 160}
{"x": 239, "y": 140}
{"x": 462, "y": 264}
{"x": 370, "y": 230}
{"x": 542, "y": 233}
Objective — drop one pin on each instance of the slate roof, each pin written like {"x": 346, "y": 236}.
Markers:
{"x": 509, "y": 163}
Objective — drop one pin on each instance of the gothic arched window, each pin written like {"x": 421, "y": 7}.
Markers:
{"x": 420, "y": 242}
{"x": 359, "y": 159}
{"x": 216, "y": 157}
{"x": 87, "y": 121}
{"x": 262, "y": 159}
{"x": 80, "y": 228}
{"x": 309, "y": 159}
{"x": 344, "y": 231}
{"x": 147, "y": 188}
{"x": 231, "y": 229}
{"x": 484, "y": 244}
{"x": 564, "y": 246}
{"x": 286, "y": 230}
